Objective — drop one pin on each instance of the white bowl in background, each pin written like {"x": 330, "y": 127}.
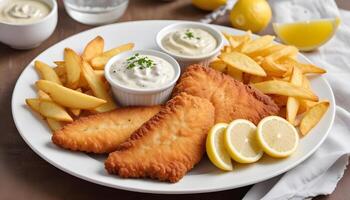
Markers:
{"x": 96, "y": 12}
{"x": 127, "y": 96}
{"x": 28, "y": 36}
{"x": 186, "y": 60}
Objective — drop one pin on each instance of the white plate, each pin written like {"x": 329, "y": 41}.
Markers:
{"x": 203, "y": 178}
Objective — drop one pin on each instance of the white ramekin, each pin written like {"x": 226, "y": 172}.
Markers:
{"x": 126, "y": 96}
{"x": 28, "y": 36}
{"x": 185, "y": 60}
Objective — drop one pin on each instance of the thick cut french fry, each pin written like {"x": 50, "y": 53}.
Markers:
{"x": 239, "y": 48}
{"x": 100, "y": 74}
{"x": 46, "y": 72}
{"x": 218, "y": 65}
{"x": 287, "y": 79}
{"x": 97, "y": 86}
{"x": 54, "y": 125}
{"x": 242, "y": 63}
{"x": 305, "y": 105}
{"x": 258, "y": 59}
{"x": 226, "y": 49}
{"x": 68, "y": 97}
{"x": 43, "y": 95}
{"x": 286, "y": 89}
{"x": 59, "y": 63}
{"x": 83, "y": 83}
{"x": 273, "y": 68}
{"x": 93, "y": 48}
{"x": 237, "y": 41}
{"x": 270, "y": 62}
{"x": 257, "y": 44}
{"x": 310, "y": 68}
{"x": 226, "y": 35}
{"x": 75, "y": 111}
{"x": 313, "y": 116}
{"x": 34, "y": 104}
{"x": 50, "y": 109}
{"x": 235, "y": 73}
{"x": 89, "y": 92}
{"x": 306, "y": 83}
{"x": 293, "y": 103}
{"x": 99, "y": 62}
{"x": 73, "y": 68}
{"x": 284, "y": 52}
{"x": 304, "y": 67}
{"x": 267, "y": 51}
{"x": 233, "y": 43}
{"x": 60, "y": 70}
{"x": 289, "y": 71}
{"x": 256, "y": 79}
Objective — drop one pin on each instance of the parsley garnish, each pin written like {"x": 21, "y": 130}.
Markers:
{"x": 142, "y": 62}
{"x": 190, "y": 35}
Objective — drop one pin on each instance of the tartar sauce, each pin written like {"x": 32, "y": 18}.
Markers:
{"x": 23, "y": 11}
{"x": 142, "y": 72}
{"x": 189, "y": 42}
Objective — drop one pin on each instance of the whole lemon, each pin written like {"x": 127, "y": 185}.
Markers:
{"x": 208, "y": 5}
{"x": 252, "y": 15}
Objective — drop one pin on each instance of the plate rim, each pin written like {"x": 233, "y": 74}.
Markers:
{"x": 189, "y": 191}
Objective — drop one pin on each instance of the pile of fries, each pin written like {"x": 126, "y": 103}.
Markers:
{"x": 274, "y": 70}
{"x": 74, "y": 85}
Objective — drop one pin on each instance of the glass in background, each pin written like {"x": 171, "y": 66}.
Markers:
{"x": 95, "y": 12}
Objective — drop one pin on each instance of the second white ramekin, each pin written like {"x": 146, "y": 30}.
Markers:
{"x": 142, "y": 97}
{"x": 188, "y": 60}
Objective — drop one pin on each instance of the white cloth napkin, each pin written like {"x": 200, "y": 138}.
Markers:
{"x": 320, "y": 174}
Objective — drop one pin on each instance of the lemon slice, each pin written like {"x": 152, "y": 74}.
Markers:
{"x": 216, "y": 149}
{"x": 241, "y": 141}
{"x": 307, "y": 35}
{"x": 277, "y": 136}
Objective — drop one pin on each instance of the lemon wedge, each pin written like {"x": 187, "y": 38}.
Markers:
{"x": 307, "y": 35}
{"x": 216, "y": 149}
{"x": 241, "y": 141}
{"x": 277, "y": 136}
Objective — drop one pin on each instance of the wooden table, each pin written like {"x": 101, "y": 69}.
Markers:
{"x": 24, "y": 175}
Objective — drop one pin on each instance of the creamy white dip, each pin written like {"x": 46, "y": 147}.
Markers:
{"x": 23, "y": 11}
{"x": 189, "y": 42}
{"x": 142, "y": 72}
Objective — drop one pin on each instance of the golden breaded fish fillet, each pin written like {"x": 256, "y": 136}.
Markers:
{"x": 232, "y": 99}
{"x": 169, "y": 144}
{"x": 102, "y": 133}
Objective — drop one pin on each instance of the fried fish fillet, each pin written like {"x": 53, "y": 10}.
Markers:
{"x": 169, "y": 144}
{"x": 231, "y": 99}
{"x": 102, "y": 133}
